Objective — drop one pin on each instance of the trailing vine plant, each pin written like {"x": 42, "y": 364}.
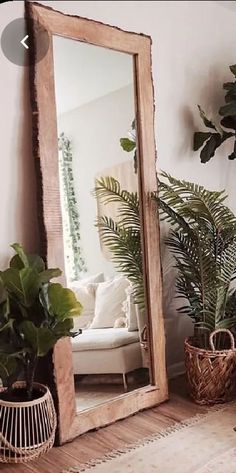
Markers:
{"x": 75, "y": 263}
{"x": 210, "y": 140}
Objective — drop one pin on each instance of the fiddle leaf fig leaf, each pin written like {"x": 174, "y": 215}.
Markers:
{"x": 48, "y": 274}
{"x": 228, "y": 109}
{"x": 23, "y": 285}
{"x": 209, "y": 149}
{"x": 63, "y": 328}
{"x": 40, "y": 339}
{"x": 127, "y": 144}
{"x": 208, "y": 123}
{"x": 229, "y": 122}
{"x": 8, "y": 366}
{"x": 62, "y": 302}
{"x": 200, "y": 138}
{"x": 230, "y": 86}
{"x": 34, "y": 262}
{"x": 20, "y": 252}
{"x": 233, "y": 69}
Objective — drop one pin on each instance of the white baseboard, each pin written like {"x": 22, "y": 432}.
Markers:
{"x": 176, "y": 369}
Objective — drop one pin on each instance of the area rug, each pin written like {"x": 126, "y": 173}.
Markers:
{"x": 204, "y": 444}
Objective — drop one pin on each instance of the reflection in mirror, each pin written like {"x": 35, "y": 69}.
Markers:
{"x": 101, "y": 224}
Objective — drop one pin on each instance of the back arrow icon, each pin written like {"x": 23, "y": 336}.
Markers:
{"x": 24, "y": 43}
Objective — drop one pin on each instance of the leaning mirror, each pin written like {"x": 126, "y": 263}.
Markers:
{"x": 92, "y": 103}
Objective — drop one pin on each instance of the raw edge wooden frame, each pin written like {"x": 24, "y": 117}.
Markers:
{"x": 45, "y": 149}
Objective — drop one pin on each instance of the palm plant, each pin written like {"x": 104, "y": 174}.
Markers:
{"x": 122, "y": 237}
{"x": 203, "y": 242}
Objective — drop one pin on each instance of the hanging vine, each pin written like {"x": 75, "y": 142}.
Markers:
{"x": 75, "y": 263}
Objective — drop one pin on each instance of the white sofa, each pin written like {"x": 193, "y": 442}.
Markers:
{"x": 107, "y": 351}
{"x": 101, "y": 348}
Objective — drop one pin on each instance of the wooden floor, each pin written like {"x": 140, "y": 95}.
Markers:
{"x": 93, "y": 390}
{"x": 96, "y": 444}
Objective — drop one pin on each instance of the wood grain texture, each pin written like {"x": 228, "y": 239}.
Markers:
{"x": 46, "y": 152}
{"x": 96, "y": 444}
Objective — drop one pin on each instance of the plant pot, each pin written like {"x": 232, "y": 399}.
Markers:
{"x": 211, "y": 374}
{"x": 27, "y": 428}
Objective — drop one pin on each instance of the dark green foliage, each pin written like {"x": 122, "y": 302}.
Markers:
{"x": 203, "y": 242}
{"x": 34, "y": 314}
{"x": 211, "y": 140}
{"x": 74, "y": 258}
{"x": 123, "y": 236}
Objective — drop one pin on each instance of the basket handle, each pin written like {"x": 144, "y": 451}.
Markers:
{"x": 220, "y": 330}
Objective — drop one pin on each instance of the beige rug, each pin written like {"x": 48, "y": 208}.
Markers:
{"x": 204, "y": 444}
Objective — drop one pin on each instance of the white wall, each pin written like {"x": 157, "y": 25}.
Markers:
{"x": 18, "y": 215}
{"x": 95, "y": 130}
{"x": 193, "y": 44}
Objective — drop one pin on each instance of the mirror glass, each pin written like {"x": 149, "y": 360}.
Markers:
{"x": 98, "y": 168}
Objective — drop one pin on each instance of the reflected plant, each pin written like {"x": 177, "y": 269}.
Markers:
{"x": 128, "y": 144}
{"x": 75, "y": 262}
{"x": 122, "y": 237}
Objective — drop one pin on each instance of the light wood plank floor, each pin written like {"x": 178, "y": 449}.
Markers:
{"x": 96, "y": 444}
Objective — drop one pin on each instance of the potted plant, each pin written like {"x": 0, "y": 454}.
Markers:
{"x": 34, "y": 314}
{"x": 203, "y": 241}
{"x": 217, "y": 134}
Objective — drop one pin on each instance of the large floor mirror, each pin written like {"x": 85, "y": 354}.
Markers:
{"x": 93, "y": 140}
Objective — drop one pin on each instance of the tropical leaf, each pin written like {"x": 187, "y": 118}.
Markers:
{"x": 40, "y": 339}
{"x": 62, "y": 302}
{"x": 207, "y": 122}
{"x": 127, "y": 144}
{"x": 23, "y": 285}
{"x": 48, "y": 274}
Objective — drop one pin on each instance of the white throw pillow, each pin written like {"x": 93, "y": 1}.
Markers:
{"x": 130, "y": 310}
{"x": 86, "y": 296}
{"x": 110, "y": 296}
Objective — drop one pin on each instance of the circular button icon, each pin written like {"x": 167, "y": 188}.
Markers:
{"x": 17, "y": 42}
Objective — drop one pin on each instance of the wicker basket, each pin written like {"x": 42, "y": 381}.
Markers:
{"x": 27, "y": 429}
{"x": 211, "y": 374}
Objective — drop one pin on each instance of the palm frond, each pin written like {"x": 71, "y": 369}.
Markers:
{"x": 125, "y": 246}
{"x": 108, "y": 189}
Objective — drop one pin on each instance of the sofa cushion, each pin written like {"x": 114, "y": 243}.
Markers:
{"x": 102, "y": 339}
{"x": 110, "y": 296}
{"x": 84, "y": 293}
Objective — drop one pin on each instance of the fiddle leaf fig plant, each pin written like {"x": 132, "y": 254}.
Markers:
{"x": 34, "y": 314}
{"x": 213, "y": 138}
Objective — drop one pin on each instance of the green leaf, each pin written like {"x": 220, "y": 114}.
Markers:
{"x": 208, "y": 123}
{"x": 209, "y": 149}
{"x": 22, "y": 284}
{"x": 48, "y": 274}
{"x": 63, "y": 329}
{"x": 40, "y": 339}
{"x": 229, "y": 122}
{"x": 7, "y": 325}
{"x": 21, "y": 253}
{"x": 233, "y": 69}
{"x": 231, "y": 86}
{"x": 35, "y": 262}
{"x": 8, "y": 366}
{"x": 228, "y": 110}
{"x": 62, "y": 302}
{"x": 127, "y": 144}
{"x": 199, "y": 138}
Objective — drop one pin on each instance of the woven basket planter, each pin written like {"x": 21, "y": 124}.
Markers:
{"x": 211, "y": 374}
{"x": 27, "y": 429}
